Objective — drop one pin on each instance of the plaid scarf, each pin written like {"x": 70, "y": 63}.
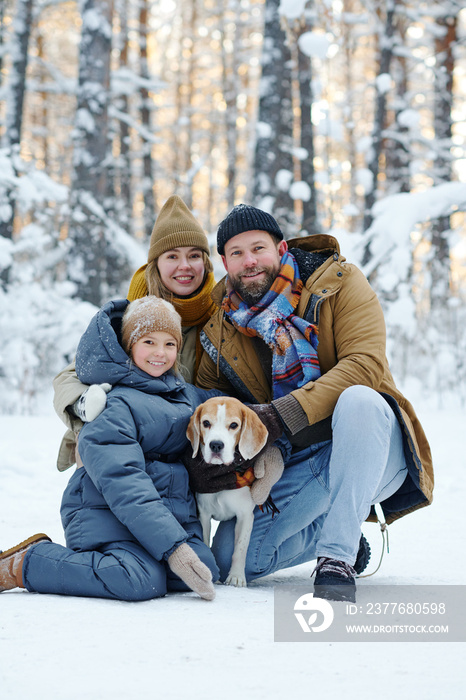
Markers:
{"x": 292, "y": 340}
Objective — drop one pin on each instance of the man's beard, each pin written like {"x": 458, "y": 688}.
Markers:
{"x": 253, "y": 292}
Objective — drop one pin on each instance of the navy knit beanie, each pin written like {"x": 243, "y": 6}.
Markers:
{"x": 244, "y": 218}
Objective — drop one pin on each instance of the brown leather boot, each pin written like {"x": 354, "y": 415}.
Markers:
{"x": 11, "y": 562}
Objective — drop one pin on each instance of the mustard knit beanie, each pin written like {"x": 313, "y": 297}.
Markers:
{"x": 146, "y": 315}
{"x": 176, "y": 227}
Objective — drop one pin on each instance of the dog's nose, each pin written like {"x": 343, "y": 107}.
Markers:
{"x": 216, "y": 446}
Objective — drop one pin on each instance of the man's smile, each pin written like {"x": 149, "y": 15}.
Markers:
{"x": 252, "y": 274}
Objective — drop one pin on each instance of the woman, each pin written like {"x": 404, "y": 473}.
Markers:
{"x": 178, "y": 270}
{"x": 128, "y": 514}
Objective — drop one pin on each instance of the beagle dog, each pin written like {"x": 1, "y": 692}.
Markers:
{"x": 219, "y": 427}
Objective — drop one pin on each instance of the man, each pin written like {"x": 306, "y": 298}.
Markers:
{"x": 300, "y": 334}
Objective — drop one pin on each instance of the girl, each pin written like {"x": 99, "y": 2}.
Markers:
{"x": 178, "y": 270}
{"x": 128, "y": 514}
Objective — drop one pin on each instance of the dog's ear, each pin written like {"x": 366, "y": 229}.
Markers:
{"x": 193, "y": 431}
{"x": 253, "y": 434}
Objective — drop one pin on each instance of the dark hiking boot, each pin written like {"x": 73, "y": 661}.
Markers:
{"x": 334, "y": 580}
{"x": 363, "y": 556}
{"x": 11, "y": 562}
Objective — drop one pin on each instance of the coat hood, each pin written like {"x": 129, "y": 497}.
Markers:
{"x": 100, "y": 357}
{"x": 317, "y": 243}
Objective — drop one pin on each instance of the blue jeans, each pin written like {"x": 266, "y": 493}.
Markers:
{"x": 326, "y": 491}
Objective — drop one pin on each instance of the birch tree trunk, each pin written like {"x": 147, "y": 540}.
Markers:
{"x": 309, "y": 222}
{"x": 231, "y": 88}
{"x": 189, "y": 169}
{"x": 398, "y": 148}
{"x": 2, "y": 38}
{"x": 43, "y": 112}
{"x": 88, "y": 250}
{"x": 14, "y": 108}
{"x": 273, "y": 162}
{"x": 125, "y": 166}
{"x": 146, "y": 119}
{"x": 445, "y": 43}
{"x": 386, "y": 54}
{"x": 348, "y": 47}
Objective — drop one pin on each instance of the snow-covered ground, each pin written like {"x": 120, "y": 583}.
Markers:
{"x": 182, "y": 647}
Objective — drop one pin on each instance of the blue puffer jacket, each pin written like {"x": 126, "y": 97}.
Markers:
{"x": 133, "y": 485}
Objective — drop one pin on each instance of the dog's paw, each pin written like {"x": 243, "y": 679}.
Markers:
{"x": 235, "y": 579}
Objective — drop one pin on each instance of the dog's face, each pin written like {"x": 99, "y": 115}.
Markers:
{"x": 220, "y": 425}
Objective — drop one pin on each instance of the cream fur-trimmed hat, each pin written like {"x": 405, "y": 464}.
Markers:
{"x": 147, "y": 315}
{"x": 176, "y": 227}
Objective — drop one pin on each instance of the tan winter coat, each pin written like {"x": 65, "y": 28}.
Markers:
{"x": 338, "y": 298}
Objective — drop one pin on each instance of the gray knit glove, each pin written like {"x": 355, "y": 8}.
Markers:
{"x": 185, "y": 563}
{"x": 92, "y": 402}
{"x": 268, "y": 469}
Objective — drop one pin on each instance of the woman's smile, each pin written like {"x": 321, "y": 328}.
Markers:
{"x": 182, "y": 270}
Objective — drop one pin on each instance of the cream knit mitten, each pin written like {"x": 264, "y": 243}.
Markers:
{"x": 185, "y": 563}
{"x": 268, "y": 469}
{"x": 92, "y": 402}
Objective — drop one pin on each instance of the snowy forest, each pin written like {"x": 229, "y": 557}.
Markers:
{"x": 345, "y": 117}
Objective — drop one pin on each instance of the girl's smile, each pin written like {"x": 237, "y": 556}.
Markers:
{"x": 155, "y": 353}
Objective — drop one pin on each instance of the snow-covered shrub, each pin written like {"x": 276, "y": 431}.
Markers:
{"x": 424, "y": 343}
{"x": 40, "y": 324}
